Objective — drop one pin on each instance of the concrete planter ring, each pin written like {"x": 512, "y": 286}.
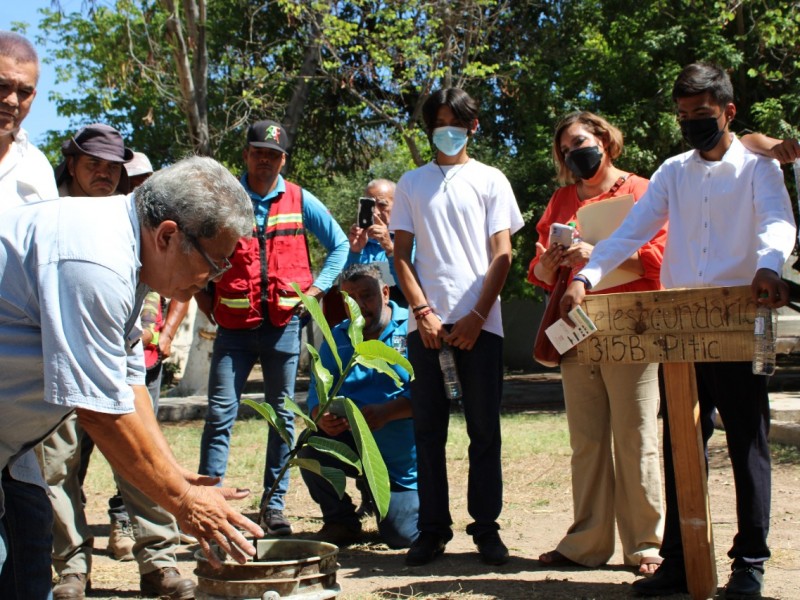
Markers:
{"x": 282, "y": 568}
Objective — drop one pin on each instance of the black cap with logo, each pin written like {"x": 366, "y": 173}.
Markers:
{"x": 267, "y": 134}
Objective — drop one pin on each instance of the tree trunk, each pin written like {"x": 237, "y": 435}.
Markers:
{"x": 302, "y": 87}
{"x": 191, "y": 68}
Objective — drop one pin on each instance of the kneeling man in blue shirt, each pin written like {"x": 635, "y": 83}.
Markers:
{"x": 385, "y": 407}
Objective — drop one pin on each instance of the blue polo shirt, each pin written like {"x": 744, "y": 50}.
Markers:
{"x": 367, "y": 386}
{"x": 318, "y": 220}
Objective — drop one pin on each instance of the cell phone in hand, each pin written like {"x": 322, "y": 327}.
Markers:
{"x": 366, "y": 208}
{"x": 561, "y": 234}
{"x": 336, "y": 408}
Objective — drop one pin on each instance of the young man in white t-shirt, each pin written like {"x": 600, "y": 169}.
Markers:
{"x": 461, "y": 213}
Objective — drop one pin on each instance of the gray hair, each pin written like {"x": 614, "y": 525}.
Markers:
{"x": 200, "y": 195}
{"x": 361, "y": 271}
{"x": 16, "y": 46}
{"x": 379, "y": 183}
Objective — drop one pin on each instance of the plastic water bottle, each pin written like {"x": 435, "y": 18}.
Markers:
{"x": 765, "y": 330}
{"x": 576, "y": 236}
{"x": 447, "y": 361}
{"x": 796, "y": 171}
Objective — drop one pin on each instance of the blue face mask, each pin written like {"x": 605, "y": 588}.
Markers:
{"x": 450, "y": 140}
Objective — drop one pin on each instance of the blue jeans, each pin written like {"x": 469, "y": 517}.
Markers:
{"x": 26, "y": 541}
{"x": 481, "y": 374}
{"x": 235, "y": 353}
{"x": 397, "y": 530}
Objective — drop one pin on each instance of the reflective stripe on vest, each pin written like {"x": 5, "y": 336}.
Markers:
{"x": 235, "y": 302}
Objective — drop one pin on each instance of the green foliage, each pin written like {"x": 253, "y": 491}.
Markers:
{"x": 368, "y": 460}
{"x": 334, "y": 476}
{"x": 368, "y": 65}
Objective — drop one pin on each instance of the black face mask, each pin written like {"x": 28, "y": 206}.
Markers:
{"x": 584, "y": 162}
{"x": 701, "y": 134}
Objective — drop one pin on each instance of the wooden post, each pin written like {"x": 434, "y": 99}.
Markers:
{"x": 691, "y": 479}
{"x": 677, "y": 328}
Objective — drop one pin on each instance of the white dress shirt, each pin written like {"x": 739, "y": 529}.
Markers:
{"x": 727, "y": 219}
{"x": 25, "y": 174}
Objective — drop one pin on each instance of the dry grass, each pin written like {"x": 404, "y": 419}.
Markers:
{"x": 536, "y": 513}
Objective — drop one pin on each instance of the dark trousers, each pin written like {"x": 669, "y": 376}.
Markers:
{"x": 397, "y": 530}
{"x": 742, "y": 401}
{"x": 26, "y": 541}
{"x": 481, "y": 373}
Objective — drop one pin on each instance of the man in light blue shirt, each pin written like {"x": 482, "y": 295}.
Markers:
{"x": 75, "y": 272}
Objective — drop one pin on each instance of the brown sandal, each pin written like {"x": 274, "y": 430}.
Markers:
{"x": 649, "y": 565}
{"x": 554, "y": 558}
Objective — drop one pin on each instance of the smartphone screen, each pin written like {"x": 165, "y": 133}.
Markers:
{"x": 366, "y": 206}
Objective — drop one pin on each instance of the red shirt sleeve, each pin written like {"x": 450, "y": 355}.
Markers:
{"x": 561, "y": 208}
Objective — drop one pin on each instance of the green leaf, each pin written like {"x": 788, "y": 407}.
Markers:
{"x": 314, "y": 309}
{"x": 337, "y": 449}
{"x": 380, "y": 365}
{"x": 374, "y": 467}
{"x": 377, "y": 349}
{"x": 323, "y": 380}
{"x": 335, "y": 477}
{"x": 357, "y": 322}
{"x": 265, "y": 410}
{"x": 292, "y": 406}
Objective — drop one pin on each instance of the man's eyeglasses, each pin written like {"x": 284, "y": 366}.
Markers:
{"x": 216, "y": 270}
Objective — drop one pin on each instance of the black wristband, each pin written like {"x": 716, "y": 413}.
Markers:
{"x": 584, "y": 280}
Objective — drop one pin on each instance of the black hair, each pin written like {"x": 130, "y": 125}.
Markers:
{"x": 360, "y": 271}
{"x": 699, "y": 78}
{"x": 464, "y": 107}
{"x": 18, "y": 48}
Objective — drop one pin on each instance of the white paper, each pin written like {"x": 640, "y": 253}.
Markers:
{"x": 564, "y": 337}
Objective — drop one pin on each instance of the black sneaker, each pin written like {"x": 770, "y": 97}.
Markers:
{"x": 491, "y": 548}
{"x": 669, "y": 578}
{"x": 745, "y": 583}
{"x": 424, "y": 549}
{"x": 274, "y": 523}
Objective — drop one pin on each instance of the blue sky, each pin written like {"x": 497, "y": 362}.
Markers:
{"x": 43, "y": 115}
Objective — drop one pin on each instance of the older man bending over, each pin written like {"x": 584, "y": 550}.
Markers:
{"x": 74, "y": 273}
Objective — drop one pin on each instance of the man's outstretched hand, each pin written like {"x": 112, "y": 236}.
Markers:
{"x": 205, "y": 513}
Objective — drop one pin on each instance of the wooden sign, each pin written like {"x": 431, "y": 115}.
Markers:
{"x": 685, "y": 325}
{"x": 677, "y": 327}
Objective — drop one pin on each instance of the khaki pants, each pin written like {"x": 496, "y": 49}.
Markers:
{"x": 616, "y": 473}
{"x": 155, "y": 530}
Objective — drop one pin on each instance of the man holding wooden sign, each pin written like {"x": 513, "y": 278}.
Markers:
{"x": 730, "y": 223}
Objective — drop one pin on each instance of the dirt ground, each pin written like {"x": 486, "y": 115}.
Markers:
{"x": 537, "y": 512}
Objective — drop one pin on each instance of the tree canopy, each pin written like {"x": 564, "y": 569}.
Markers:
{"x": 348, "y": 79}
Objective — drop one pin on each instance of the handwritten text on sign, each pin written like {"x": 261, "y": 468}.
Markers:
{"x": 688, "y": 325}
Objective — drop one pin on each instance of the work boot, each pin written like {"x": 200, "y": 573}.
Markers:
{"x": 71, "y": 586}
{"x": 167, "y": 583}
{"x": 121, "y": 540}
